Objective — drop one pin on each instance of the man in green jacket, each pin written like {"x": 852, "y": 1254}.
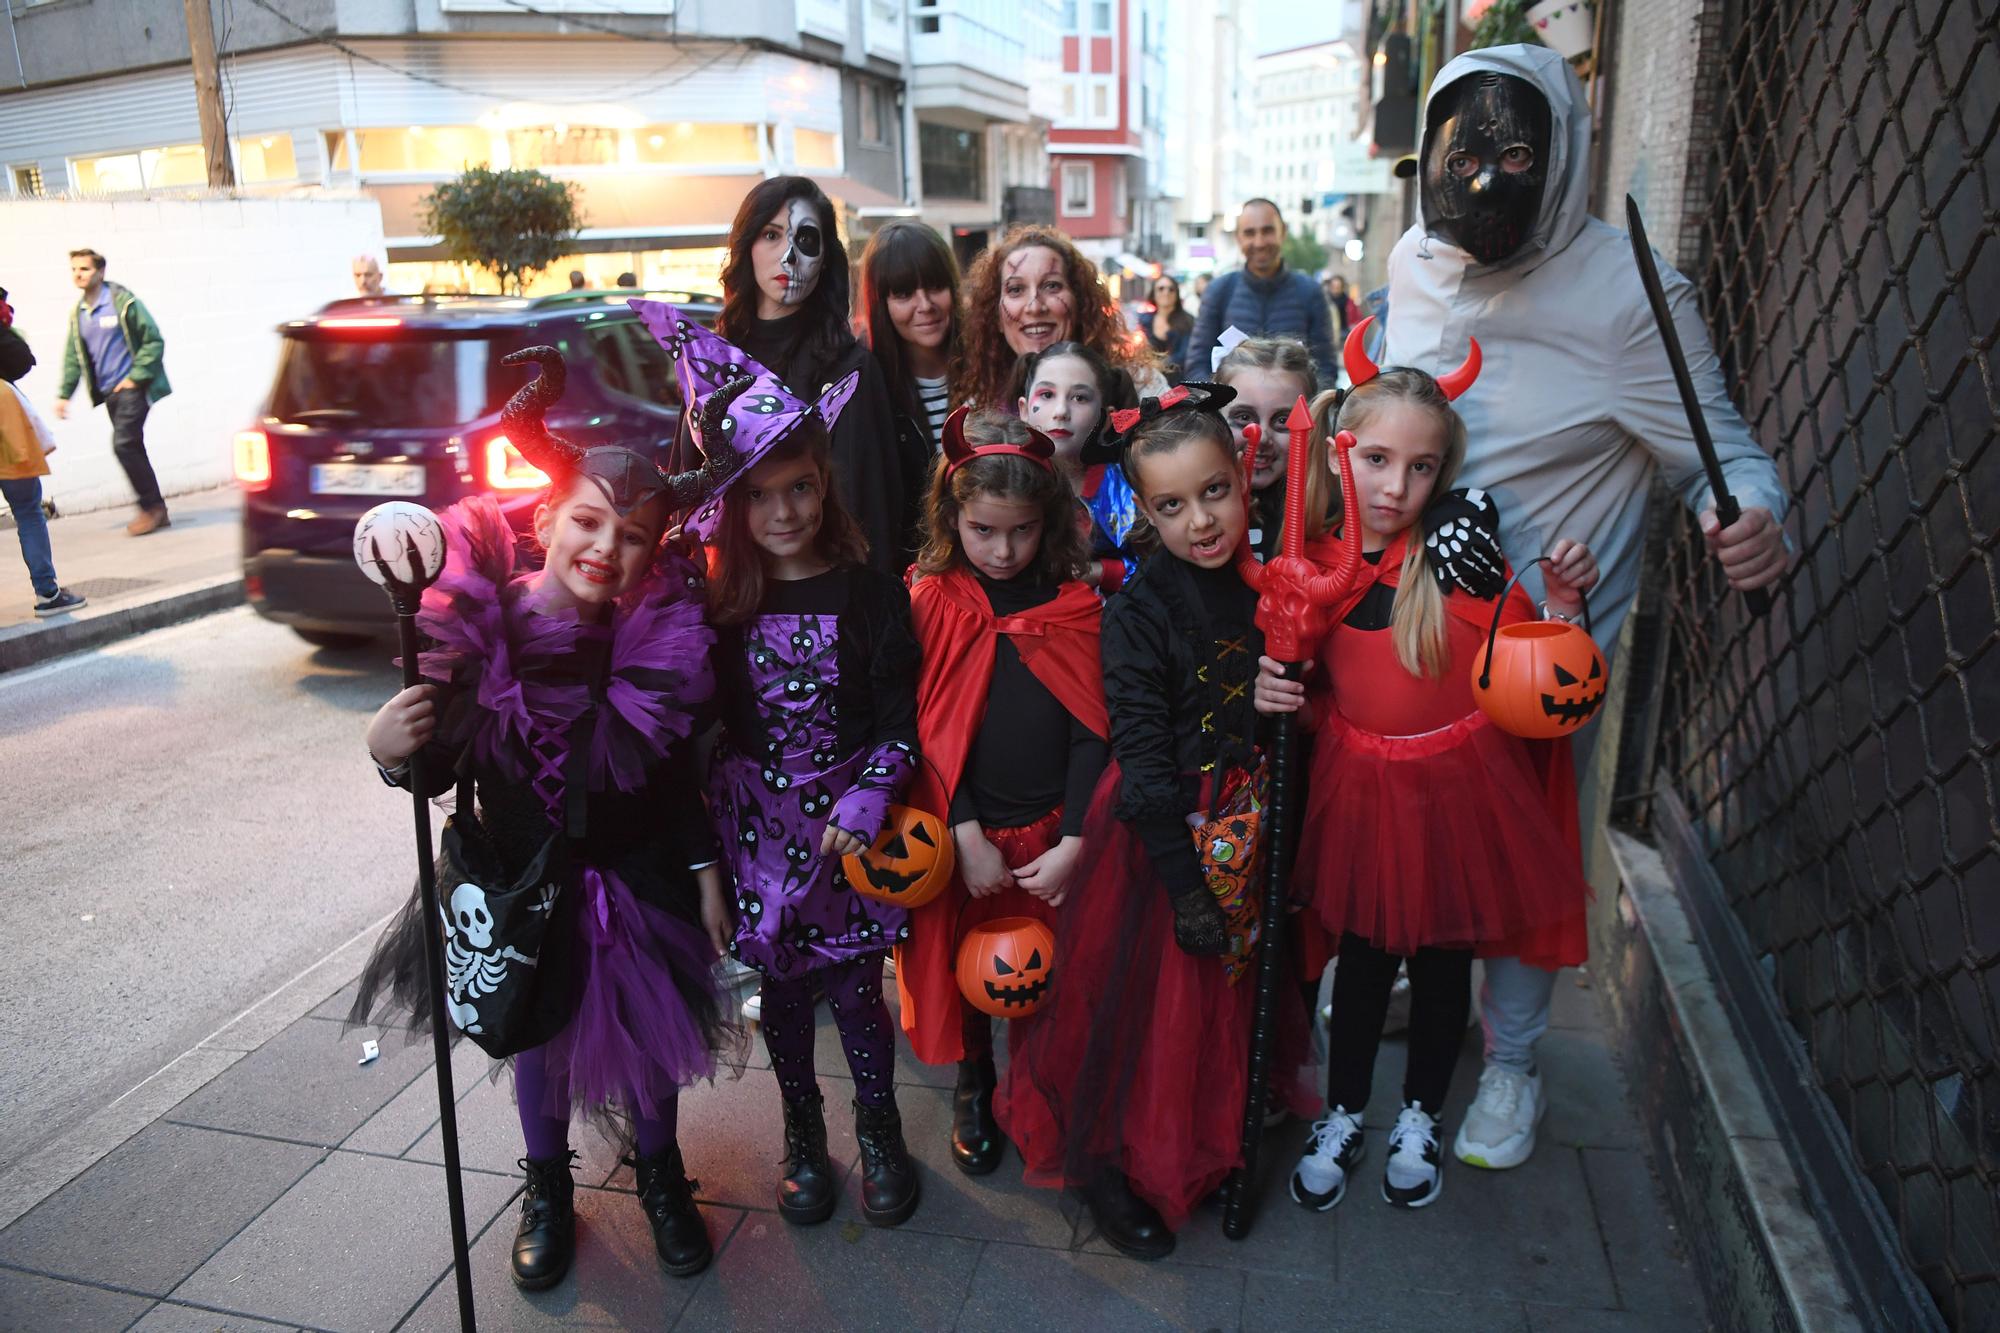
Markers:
{"x": 116, "y": 348}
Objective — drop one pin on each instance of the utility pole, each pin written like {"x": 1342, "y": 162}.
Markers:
{"x": 208, "y": 94}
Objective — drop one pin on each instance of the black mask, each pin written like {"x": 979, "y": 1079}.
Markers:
{"x": 1486, "y": 164}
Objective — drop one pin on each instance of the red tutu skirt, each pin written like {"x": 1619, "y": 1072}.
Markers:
{"x": 1445, "y": 839}
{"x": 1139, "y": 1058}
{"x": 927, "y": 962}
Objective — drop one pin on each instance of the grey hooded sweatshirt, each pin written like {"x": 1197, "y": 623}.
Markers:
{"x": 1576, "y": 405}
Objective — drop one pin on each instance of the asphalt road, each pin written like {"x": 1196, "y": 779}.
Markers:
{"x": 191, "y": 820}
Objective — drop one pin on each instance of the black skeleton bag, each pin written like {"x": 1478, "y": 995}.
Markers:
{"x": 507, "y": 940}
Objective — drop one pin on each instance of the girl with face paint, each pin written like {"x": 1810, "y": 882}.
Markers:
{"x": 785, "y": 290}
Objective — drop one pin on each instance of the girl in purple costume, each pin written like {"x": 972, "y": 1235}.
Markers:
{"x": 816, "y": 670}
{"x": 584, "y": 678}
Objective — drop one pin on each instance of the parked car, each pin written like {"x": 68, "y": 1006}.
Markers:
{"x": 400, "y": 398}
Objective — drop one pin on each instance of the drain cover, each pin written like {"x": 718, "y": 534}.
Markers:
{"x": 109, "y": 587}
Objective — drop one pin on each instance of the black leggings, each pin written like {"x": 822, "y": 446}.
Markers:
{"x": 1440, "y": 997}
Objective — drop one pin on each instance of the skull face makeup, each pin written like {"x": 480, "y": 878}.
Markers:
{"x": 801, "y": 261}
{"x": 1486, "y": 164}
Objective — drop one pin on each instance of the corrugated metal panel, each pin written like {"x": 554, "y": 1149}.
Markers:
{"x": 317, "y": 86}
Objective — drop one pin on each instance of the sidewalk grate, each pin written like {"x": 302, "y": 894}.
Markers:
{"x": 110, "y": 587}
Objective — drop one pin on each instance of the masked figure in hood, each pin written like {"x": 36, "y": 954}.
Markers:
{"x": 1573, "y": 414}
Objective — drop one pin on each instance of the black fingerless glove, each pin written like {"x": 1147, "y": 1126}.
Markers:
{"x": 1462, "y": 542}
{"x": 1199, "y": 926}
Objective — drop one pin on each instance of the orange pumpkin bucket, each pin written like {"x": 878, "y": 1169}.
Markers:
{"x": 1540, "y": 679}
{"x": 1005, "y": 966}
{"x": 910, "y": 863}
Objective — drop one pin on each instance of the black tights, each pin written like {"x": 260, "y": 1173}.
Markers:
{"x": 1440, "y": 997}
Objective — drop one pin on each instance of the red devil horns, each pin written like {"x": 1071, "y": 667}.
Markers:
{"x": 958, "y": 451}
{"x": 1360, "y": 369}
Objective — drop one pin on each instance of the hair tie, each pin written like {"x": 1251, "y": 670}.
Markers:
{"x": 1121, "y": 425}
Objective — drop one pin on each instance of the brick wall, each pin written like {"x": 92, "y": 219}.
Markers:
{"x": 1659, "y": 96}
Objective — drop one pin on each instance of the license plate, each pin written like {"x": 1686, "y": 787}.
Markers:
{"x": 368, "y": 479}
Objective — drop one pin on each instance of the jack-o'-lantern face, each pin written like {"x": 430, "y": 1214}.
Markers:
{"x": 1005, "y": 966}
{"x": 1547, "y": 679}
{"x": 911, "y": 862}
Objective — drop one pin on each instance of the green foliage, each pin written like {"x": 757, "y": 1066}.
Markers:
{"x": 1504, "y": 23}
{"x": 1303, "y": 252}
{"x": 513, "y": 222}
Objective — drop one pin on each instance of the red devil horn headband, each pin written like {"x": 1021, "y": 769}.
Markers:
{"x": 1360, "y": 369}
{"x": 958, "y": 451}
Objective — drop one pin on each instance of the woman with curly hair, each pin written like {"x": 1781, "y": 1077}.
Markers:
{"x": 1029, "y": 291}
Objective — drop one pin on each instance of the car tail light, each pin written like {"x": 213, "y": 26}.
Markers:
{"x": 363, "y": 322}
{"x": 253, "y": 460}
{"x": 506, "y": 470}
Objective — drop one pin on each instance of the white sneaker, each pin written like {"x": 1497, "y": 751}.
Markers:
{"x": 1499, "y": 1128}
{"x": 753, "y": 1008}
{"x": 1319, "y": 1181}
{"x": 1414, "y": 1176}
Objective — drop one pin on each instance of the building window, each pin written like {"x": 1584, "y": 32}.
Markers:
{"x": 952, "y": 161}
{"x": 1079, "y": 190}
{"x": 265, "y": 158}
{"x": 1100, "y": 101}
{"x": 815, "y": 150}
{"x": 1100, "y": 16}
{"x": 437, "y": 150}
{"x": 557, "y": 146}
{"x": 874, "y": 115}
{"x": 28, "y": 180}
{"x": 1121, "y": 202}
{"x": 687, "y": 143}
{"x": 1069, "y": 101}
{"x": 1069, "y": 16}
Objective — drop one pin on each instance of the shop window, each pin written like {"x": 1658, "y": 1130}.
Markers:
{"x": 815, "y": 150}
{"x": 443, "y": 150}
{"x": 266, "y": 157}
{"x": 688, "y": 143}
{"x": 536, "y": 146}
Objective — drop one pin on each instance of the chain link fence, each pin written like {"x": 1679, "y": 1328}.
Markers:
{"x": 1838, "y": 760}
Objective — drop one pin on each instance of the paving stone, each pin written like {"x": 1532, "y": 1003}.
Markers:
{"x": 153, "y": 1210}
{"x": 489, "y": 1137}
{"x": 167, "y": 1317}
{"x": 1016, "y": 1287}
{"x": 337, "y": 1004}
{"x": 1574, "y": 1002}
{"x": 843, "y": 1275}
{"x": 1586, "y": 1093}
{"x": 1525, "y": 1234}
{"x": 1000, "y": 1206}
{"x": 1569, "y": 1319}
{"x": 413, "y": 1112}
{"x": 1275, "y": 1304}
{"x": 732, "y": 1136}
{"x": 615, "y": 1283}
{"x": 354, "y": 1245}
{"x": 31, "y": 1304}
{"x": 304, "y": 1085}
{"x": 1646, "y": 1256}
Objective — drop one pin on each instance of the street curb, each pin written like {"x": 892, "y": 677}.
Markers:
{"x": 28, "y": 645}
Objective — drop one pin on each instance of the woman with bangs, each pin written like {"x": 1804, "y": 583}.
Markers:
{"x": 908, "y": 317}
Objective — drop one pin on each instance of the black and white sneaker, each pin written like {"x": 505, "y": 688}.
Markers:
{"x": 1414, "y": 1175}
{"x": 60, "y": 603}
{"x": 1319, "y": 1181}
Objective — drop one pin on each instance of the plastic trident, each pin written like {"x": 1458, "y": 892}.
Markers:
{"x": 1295, "y": 600}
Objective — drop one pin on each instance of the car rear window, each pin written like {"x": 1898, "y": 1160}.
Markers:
{"x": 402, "y": 382}
{"x": 631, "y": 362}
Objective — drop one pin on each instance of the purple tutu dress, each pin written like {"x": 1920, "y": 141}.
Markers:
{"x": 819, "y": 694}
{"x": 532, "y": 702}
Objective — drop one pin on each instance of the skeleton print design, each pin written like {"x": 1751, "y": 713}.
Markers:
{"x": 473, "y": 968}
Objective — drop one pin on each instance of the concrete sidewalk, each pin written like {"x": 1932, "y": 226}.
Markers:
{"x": 133, "y": 583}
{"x": 298, "y": 1189}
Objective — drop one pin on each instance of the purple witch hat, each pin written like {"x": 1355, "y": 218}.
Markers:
{"x": 755, "y": 420}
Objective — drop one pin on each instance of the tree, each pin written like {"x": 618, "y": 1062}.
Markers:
{"x": 1303, "y": 252}
{"x": 1501, "y": 23}
{"x": 513, "y": 222}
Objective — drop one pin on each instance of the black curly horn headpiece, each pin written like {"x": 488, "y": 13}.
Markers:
{"x": 721, "y": 460}
{"x": 522, "y": 417}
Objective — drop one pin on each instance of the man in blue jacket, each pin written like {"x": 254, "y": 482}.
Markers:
{"x": 1263, "y": 296}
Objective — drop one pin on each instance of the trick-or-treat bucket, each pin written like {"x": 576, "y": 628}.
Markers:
{"x": 1567, "y": 27}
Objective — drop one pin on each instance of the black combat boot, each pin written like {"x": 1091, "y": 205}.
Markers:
{"x": 667, "y": 1196}
{"x": 546, "y": 1240}
{"x": 976, "y": 1141}
{"x": 1126, "y": 1220}
{"x": 888, "y": 1179}
{"x": 806, "y": 1195}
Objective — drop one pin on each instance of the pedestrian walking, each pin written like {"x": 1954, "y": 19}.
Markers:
{"x": 1264, "y": 296}
{"x": 25, "y": 445}
{"x": 816, "y": 676}
{"x": 116, "y": 350}
{"x": 562, "y": 701}
{"x": 1010, "y": 713}
{"x": 908, "y": 316}
{"x": 1566, "y": 441}
{"x": 1133, "y": 1076}
{"x": 1429, "y": 832}
{"x": 367, "y": 270}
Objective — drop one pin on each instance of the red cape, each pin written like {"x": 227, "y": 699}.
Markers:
{"x": 958, "y": 632}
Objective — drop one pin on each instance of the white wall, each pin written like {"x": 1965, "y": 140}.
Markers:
{"x": 218, "y": 275}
